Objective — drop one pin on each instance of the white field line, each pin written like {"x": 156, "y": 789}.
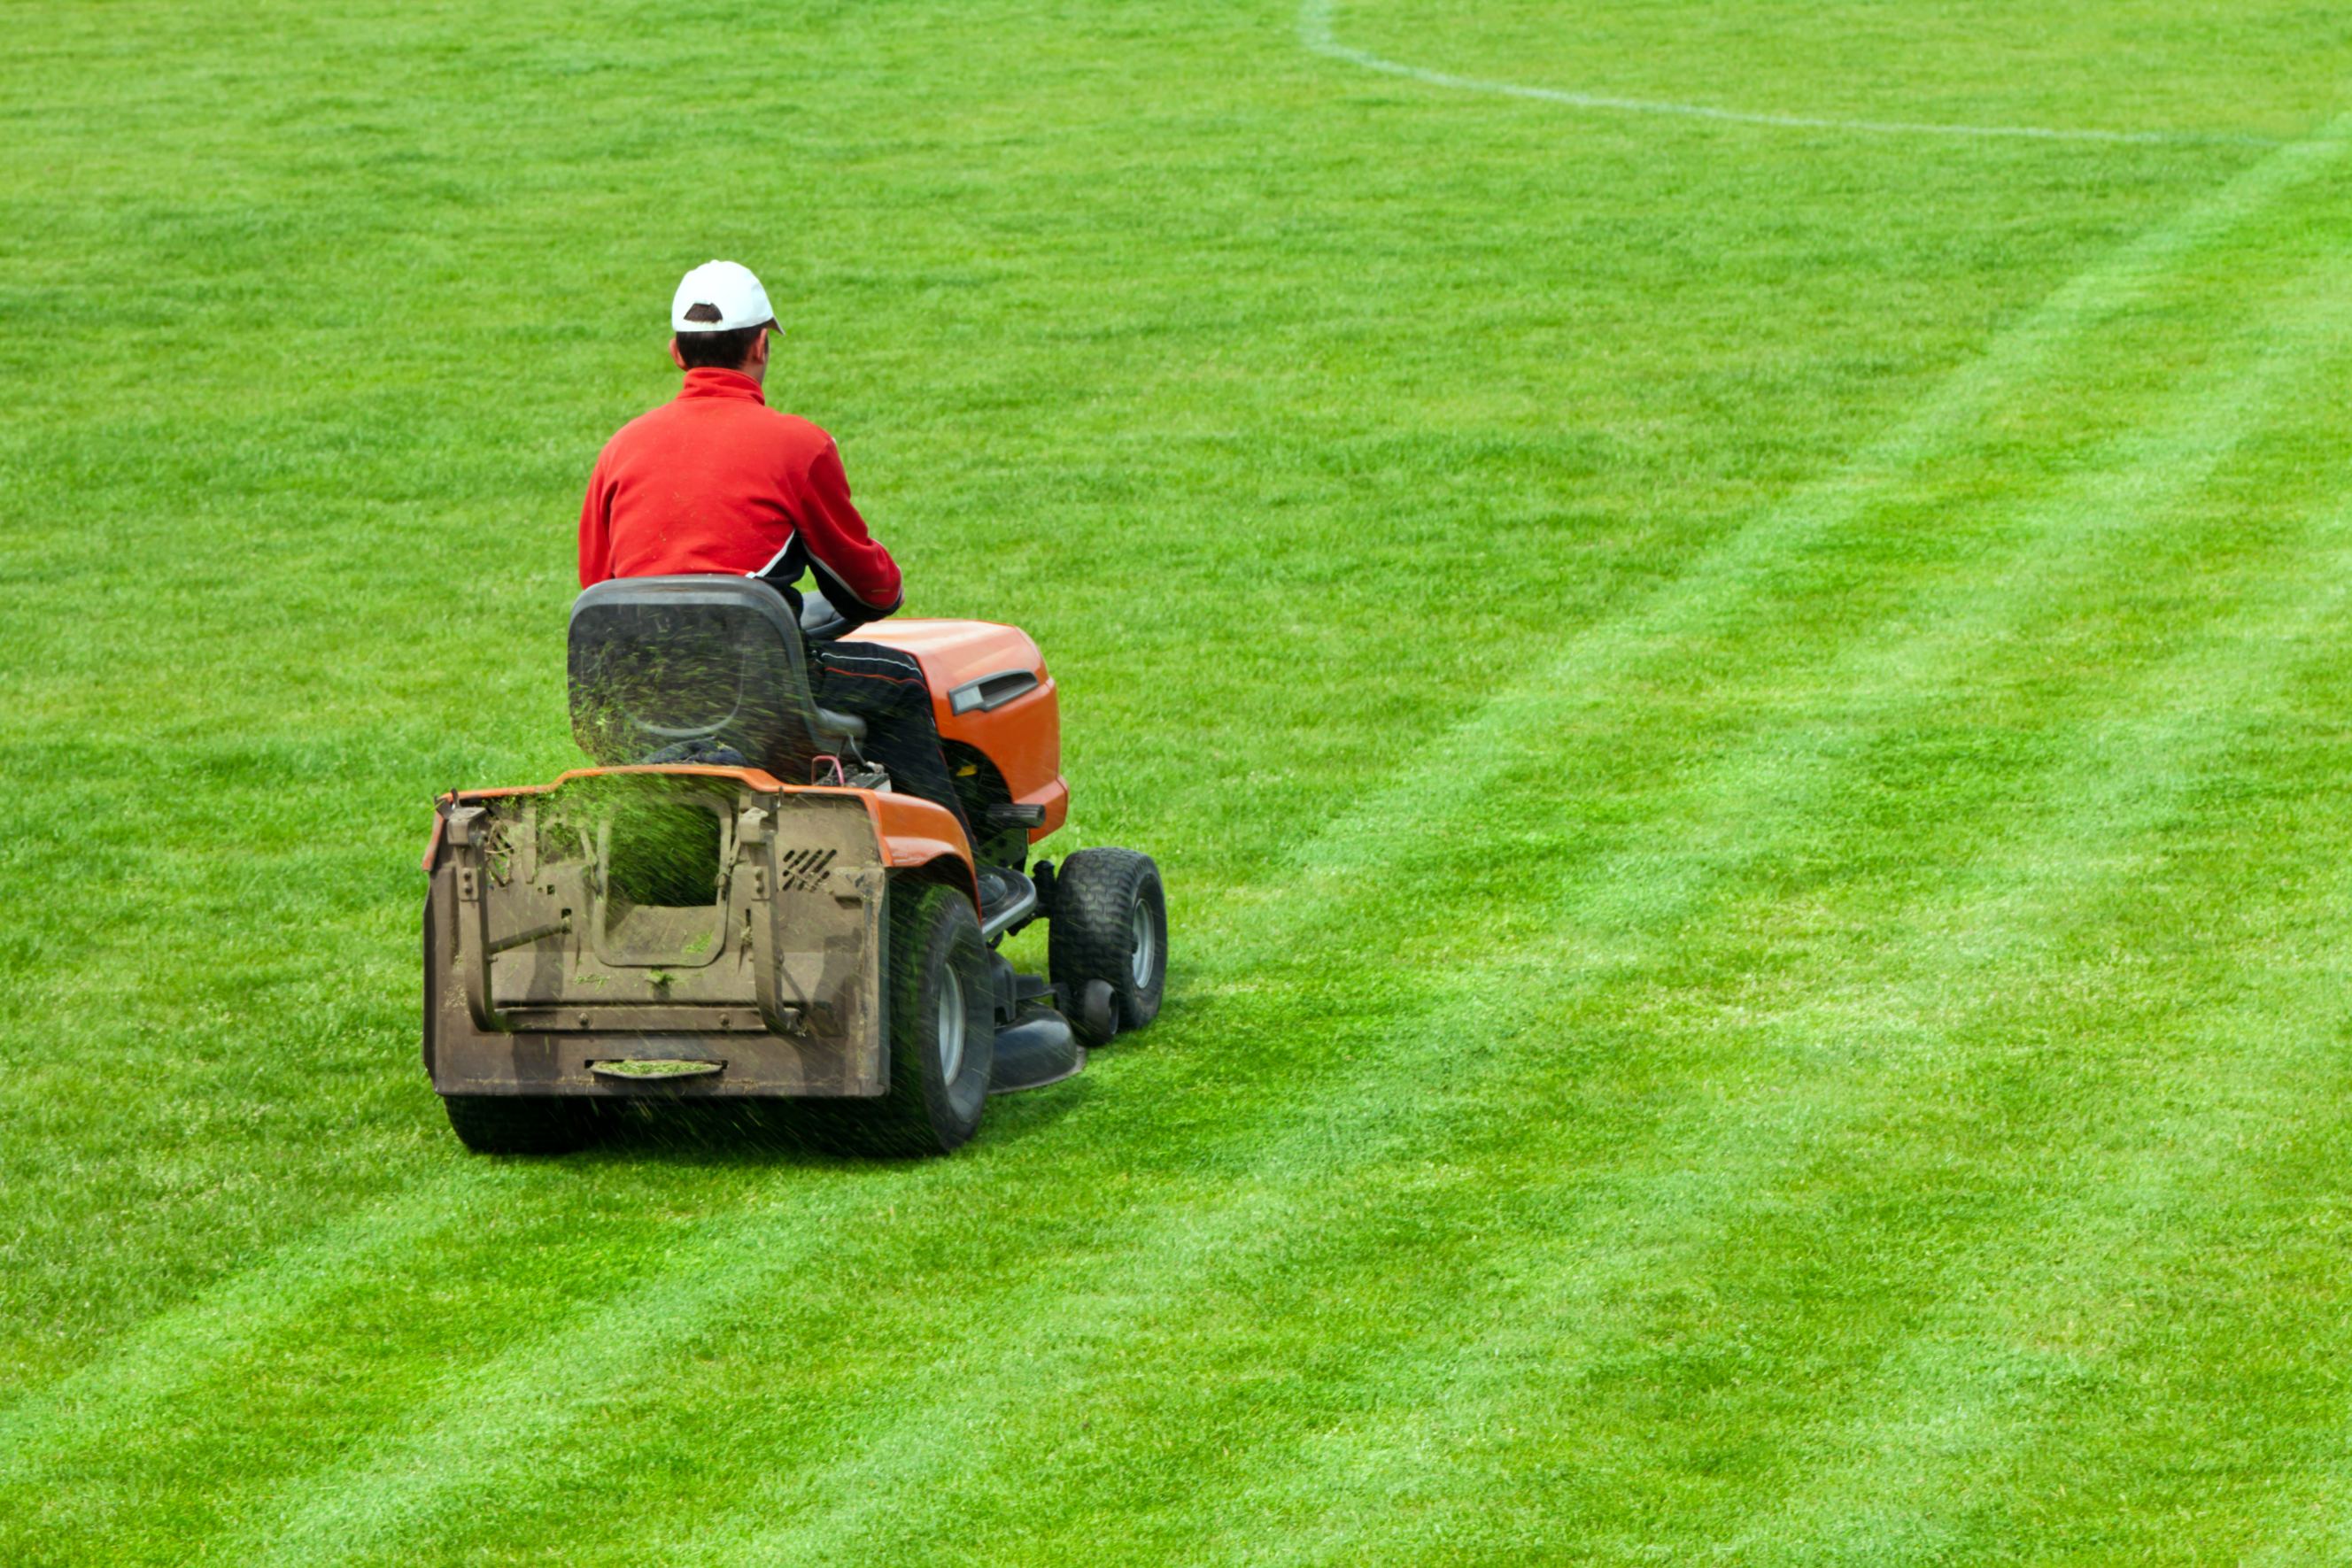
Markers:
{"x": 1315, "y": 32}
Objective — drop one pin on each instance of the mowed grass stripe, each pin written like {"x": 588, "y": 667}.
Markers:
{"x": 151, "y": 1370}
{"x": 983, "y": 1433}
{"x": 2202, "y": 417}
{"x": 1946, "y": 1007}
{"x": 2280, "y": 1275}
{"x": 1751, "y": 571}
{"x": 2110, "y": 775}
{"x": 2182, "y": 1279}
{"x": 2112, "y": 1162}
{"x": 2123, "y": 1076}
{"x": 336, "y": 1330}
{"x": 2117, "y": 1192}
{"x": 2101, "y": 1165}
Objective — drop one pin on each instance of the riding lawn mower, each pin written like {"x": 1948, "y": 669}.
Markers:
{"x": 735, "y": 905}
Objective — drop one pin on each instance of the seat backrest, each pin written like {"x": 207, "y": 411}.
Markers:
{"x": 679, "y": 664}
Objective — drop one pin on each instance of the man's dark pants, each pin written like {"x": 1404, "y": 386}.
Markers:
{"x": 886, "y": 688}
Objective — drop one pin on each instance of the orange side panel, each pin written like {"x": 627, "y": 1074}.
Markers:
{"x": 954, "y": 652}
{"x": 1022, "y": 737}
{"x": 915, "y": 832}
{"x": 1055, "y": 799}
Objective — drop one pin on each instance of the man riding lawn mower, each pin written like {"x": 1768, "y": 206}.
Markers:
{"x": 789, "y": 873}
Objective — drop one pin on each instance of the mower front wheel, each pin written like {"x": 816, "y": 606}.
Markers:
{"x": 1109, "y": 927}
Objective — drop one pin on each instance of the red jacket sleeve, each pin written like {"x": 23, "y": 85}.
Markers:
{"x": 843, "y": 554}
{"x": 595, "y": 529}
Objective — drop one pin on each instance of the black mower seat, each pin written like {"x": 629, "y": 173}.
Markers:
{"x": 686, "y": 667}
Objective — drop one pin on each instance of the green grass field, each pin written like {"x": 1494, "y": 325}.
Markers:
{"x": 1746, "y": 723}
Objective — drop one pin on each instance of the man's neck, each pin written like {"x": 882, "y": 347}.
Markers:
{"x": 704, "y": 380}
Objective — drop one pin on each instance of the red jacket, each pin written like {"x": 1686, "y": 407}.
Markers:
{"x": 717, "y": 481}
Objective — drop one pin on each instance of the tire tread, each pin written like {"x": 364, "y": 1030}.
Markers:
{"x": 520, "y": 1123}
{"x": 1088, "y": 937}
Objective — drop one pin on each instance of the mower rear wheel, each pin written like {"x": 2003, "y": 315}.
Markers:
{"x": 1109, "y": 924}
{"x": 942, "y": 1025}
{"x": 520, "y": 1123}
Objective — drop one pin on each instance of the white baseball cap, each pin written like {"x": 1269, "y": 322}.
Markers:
{"x": 725, "y": 286}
